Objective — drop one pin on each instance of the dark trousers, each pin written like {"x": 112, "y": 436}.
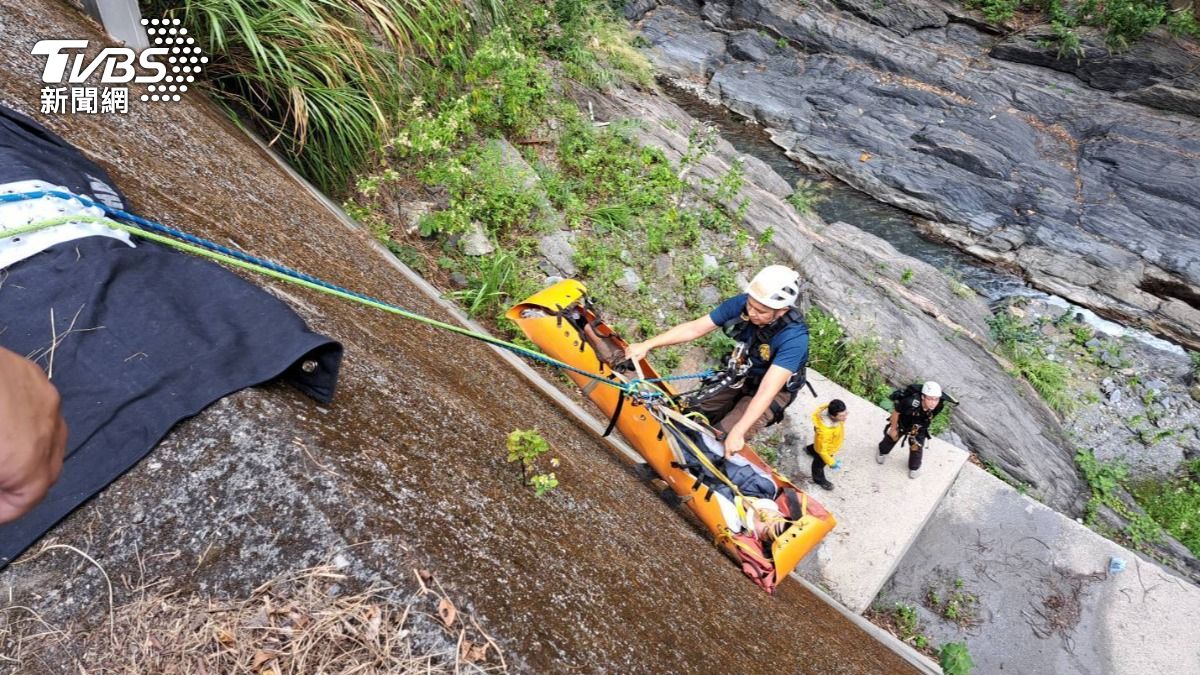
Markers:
{"x": 818, "y": 465}
{"x": 916, "y": 444}
{"x": 724, "y": 408}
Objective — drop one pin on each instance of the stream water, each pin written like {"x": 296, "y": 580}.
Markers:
{"x": 840, "y": 202}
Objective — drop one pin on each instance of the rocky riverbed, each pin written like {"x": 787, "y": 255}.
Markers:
{"x": 928, "y": 328}
{"x": 1079, "y": 174}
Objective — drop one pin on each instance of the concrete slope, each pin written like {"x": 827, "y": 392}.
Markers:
{"x": 1045, "y": 601}
{"x": 406, "y": 469}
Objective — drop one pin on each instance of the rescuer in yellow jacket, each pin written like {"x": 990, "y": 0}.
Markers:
{"x": 829, "y": 430}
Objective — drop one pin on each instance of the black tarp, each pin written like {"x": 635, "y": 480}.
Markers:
{"x": 146, "y": 336}
{"x": 29, "y": 151}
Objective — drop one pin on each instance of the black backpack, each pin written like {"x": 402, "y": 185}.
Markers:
{"x": 915, "y": 390}
{"x": 911, "y": 390}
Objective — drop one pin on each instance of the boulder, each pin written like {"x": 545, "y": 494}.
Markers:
{"x": 630, "y": 282}
{"x": 1051, "y": 170}
{"x": 476, "y": 242}
{"x": 558, "y": 249}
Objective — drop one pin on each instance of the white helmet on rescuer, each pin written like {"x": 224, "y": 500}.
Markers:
{"x": 775, "y": 286}
{"x": 932, "y": 389}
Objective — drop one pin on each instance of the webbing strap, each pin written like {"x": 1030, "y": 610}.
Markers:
{"x": 612, "y": 423}
{"x": 699, "y": 454}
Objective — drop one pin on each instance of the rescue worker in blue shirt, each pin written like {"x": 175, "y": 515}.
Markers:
{"x": 766, "y": 370}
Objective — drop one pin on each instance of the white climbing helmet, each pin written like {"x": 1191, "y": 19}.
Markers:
{"x": 775, "y": 286}
{"x": 932, "y": 389}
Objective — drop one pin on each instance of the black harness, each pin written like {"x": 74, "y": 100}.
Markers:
{"x": 751, "y": 339}
{"x": 735, "y": 374}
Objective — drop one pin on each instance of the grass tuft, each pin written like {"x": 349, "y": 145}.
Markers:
{"x": 323, "y": 79}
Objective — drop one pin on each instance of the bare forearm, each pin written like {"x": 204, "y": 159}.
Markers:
{"x": 684, "y": 332}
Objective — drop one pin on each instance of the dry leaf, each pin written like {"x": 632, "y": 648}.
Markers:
{"x": 864, "y": 157}
{"x": 471, "y": 652}
{"x": 425, "y": 575}
{"x": 447, "y": 612}
{"x": 225, "y": 637}
{"x": 260, "y": 659}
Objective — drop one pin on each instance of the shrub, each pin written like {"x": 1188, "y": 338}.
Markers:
{"x": 493, "y": 282}
{"x": 1175, "y": 505}
{"x": 955, "y": 659}
{"x": 996, "y": 11}
{"x": 543, "y": 483}
{"x": 482, "y": 190}
{"x": 1124, "y": 21}
{"x": 805, "y": 195}
{"x": 527, "y": 446}
{"x": 322, "y": 79}
{"x": 853, "y": 363}
{"x": 507, "y": 88}
{"x": 1025, "y": 347}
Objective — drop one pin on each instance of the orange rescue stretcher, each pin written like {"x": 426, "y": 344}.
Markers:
{"x": 563, "y": 323}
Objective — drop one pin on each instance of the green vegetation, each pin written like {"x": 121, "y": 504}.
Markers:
{"x": 626, "y": 204}
{"x": 543, "y": 483}
{"x": 493, "y": 282}
{"x": 1195, "y": 358}
{"x": 1025, "y": 347}
{"x": 954, "y": 603}
{"x": 1175, "y": 505}
{"x": 955, "y": 659}
{"x": 956, "y": 284}
{"x": 323, "y": 80}
{"x": 906, "y": 276}
{"x": 767, "y": 236}
{"x": 527, "y": 446}
{"x": 905, "y": 617}
{"x": 941, "y": 422}
{"x": 805, "y": 195}
{"x": 1107, "y": 481}
{"x": 996, "y": 11}
{"x": 585, "y": 36}
{"x": 853, "y": 363}
{"x": 1123, "y": 21}
{"x": 1081, "y": 334}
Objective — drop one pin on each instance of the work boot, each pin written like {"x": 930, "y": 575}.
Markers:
{"x": 825, "y": 484}
{"x": 913, "y": 473}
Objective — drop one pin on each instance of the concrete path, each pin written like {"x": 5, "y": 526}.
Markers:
{"x": 880, "y": 510}
{"x": 1045, "y": 601}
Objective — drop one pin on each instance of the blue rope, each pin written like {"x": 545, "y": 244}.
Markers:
{"x": 630, "y": 389}
{"x": 671, "y": 378}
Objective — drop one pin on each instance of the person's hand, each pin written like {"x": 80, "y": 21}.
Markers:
{"x": 837, "y": 466}
{"x": 894, "y": 432}
{"x": 33, "y": 435}
{"x": 735, "y": 440}
{"x": 636, "y": 352}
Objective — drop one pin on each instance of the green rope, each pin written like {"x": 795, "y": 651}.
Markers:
{"x": 632, "y": 388}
